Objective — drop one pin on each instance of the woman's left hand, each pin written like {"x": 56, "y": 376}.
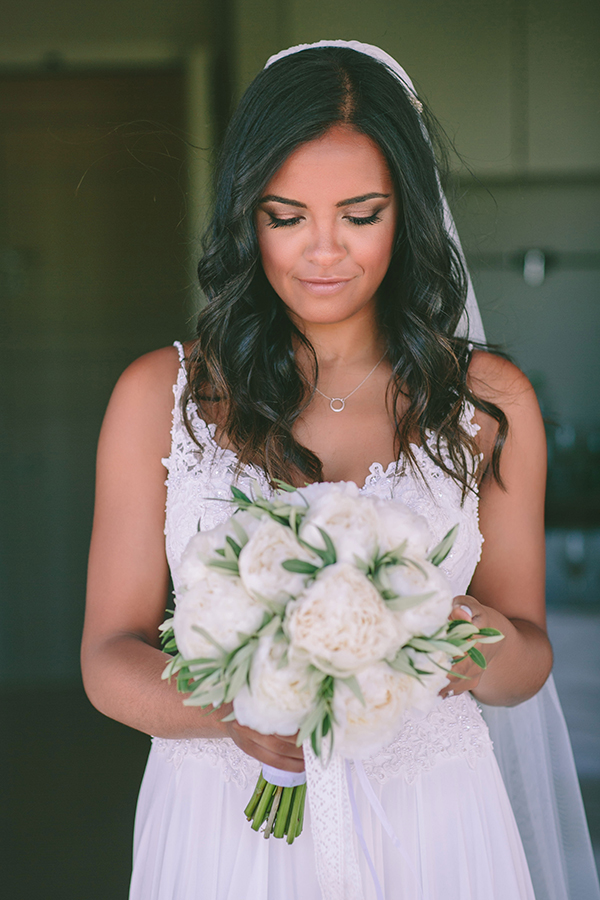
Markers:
{"x": 471, "y": 610}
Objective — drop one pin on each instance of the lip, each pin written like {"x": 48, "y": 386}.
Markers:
{"x": 324, "y": 286}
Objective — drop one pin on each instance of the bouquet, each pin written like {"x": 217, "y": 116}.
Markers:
{"x": 320, "y": 612}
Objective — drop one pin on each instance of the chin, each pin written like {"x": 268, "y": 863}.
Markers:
{"x": 325, "y": 314}
{"x": 318, "y": 319}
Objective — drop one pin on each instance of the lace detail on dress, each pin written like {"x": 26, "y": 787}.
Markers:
{"x": 235, "y": 765}
{"x": 438, "y": 498}
{"x": 454, "y": 728}
{"x": 332, "y": 827}
{"x": 199, "y": 477}
{"x": 198, "y": 497}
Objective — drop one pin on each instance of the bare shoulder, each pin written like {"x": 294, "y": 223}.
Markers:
{"x": 142, "y": 401}
{"x": 154, "y": 372}
{"x": 500, "y": 382}
{"x": 497, "y": 380}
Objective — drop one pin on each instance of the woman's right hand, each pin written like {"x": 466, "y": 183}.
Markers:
{"x": 277, "y": 750}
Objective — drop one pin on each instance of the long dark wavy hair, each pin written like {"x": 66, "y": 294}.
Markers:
{"x": 243, "y": 358}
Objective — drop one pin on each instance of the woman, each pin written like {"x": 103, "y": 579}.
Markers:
{"x": 328, "y": 348}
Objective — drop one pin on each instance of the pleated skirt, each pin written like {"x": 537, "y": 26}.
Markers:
{"x": 454, "y": 822}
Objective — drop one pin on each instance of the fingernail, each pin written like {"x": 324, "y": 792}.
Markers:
{"x": 466, "y": 609}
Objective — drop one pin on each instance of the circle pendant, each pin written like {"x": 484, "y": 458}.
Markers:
{"x": 337, "y": 400}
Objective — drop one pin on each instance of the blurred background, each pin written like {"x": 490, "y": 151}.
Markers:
{"x": 110, "y": 114}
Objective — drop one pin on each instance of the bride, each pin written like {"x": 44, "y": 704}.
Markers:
{"x": 332, "y": 348}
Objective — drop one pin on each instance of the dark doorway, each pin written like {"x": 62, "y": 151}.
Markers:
{"x": 93, "y": 272}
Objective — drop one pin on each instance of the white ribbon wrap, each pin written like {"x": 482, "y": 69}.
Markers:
{"x": 331, "y": 826}
{"x": 281, "y": 778}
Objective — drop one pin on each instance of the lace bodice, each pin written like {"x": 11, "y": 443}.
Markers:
{"x": 198, "y": 491}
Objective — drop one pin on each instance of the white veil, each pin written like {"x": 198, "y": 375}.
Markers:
{"x": 471, "y": 322}
{"x": 531, "y": 741}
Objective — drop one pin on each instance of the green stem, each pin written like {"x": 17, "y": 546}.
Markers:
{"x": 260, "y": 784}
{"x": 284, "y": 808}
{"x": 261, "y": 811}
{"x": 297, "y": 806}
{"x": 302, "y": 807}
{"x": 273, "y": 811}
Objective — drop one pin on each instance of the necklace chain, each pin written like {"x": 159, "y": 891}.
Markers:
{"x": 342, "y": 400}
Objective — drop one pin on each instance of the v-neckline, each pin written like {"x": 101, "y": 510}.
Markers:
{"x": 209, "y": 430}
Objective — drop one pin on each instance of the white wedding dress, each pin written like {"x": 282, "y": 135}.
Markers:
{"x": 438, "y": 782}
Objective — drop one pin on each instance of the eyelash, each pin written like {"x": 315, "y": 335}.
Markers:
{"x": 282, "y": 223}
{"x": 355, "y": 220}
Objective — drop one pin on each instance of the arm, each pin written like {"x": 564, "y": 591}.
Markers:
{"x": 128, "y": 573}
{"x": 507, "y": 590}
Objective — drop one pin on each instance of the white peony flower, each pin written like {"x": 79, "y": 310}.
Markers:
{"x": 309, "y": 493}
{"x": 349, "y": 518}
{"x": 247, "y": 520}
{"x": 425, "y": 691}
{"x": 278, "y": 698}
{"x": 219, "y": 604}
{"x": 202, "y": 546}
{"x": 398, "y": 523}
{"x": 261, "y": 561}
{"x": 430, "y": 614}
{"x": 341, "y": 623}
{"x": 361, "y": 730}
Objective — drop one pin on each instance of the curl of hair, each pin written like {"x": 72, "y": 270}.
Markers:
{"x": 243, "y": 357}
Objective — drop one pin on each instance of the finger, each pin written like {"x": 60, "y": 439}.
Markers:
{"x": 462, "y": 609}
{"x": 286, "y": 747}
{"x": 279, "y": 761}
{"x": 287, "y": 738}
{"x": 278, "y": 743}
{"x": 467, "y": 608}
{"x": 460, "y": 685}
{"x": 281, "y": 745}
{"x": 464, "y": 668}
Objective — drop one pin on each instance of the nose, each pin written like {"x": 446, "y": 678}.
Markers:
{"x": 324, "y": 247}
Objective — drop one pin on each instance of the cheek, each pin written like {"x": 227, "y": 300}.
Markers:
{"x": 275, "y": 255}
{"x": 378, "y": 255}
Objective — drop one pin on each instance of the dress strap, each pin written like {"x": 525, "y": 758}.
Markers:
{"x": 180, "y": 351}
{"x": 179, "y": 437}
{"x": 180, "y": 383}
{"x": 467, "y": 422}
{"x": 179, "y": 430}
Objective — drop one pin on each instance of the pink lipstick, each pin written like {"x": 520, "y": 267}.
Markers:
{"x": 324, "y": 286}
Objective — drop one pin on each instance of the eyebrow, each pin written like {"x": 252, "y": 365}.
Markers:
{"x": 273, "y": 198}
{"x": 362, "y": 198}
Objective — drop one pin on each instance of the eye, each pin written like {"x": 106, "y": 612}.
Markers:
{"x": 283, "y": 223}
{"x": 364, "y": 220}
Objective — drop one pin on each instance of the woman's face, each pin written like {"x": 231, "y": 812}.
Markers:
{"x": 326, "y": 226}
